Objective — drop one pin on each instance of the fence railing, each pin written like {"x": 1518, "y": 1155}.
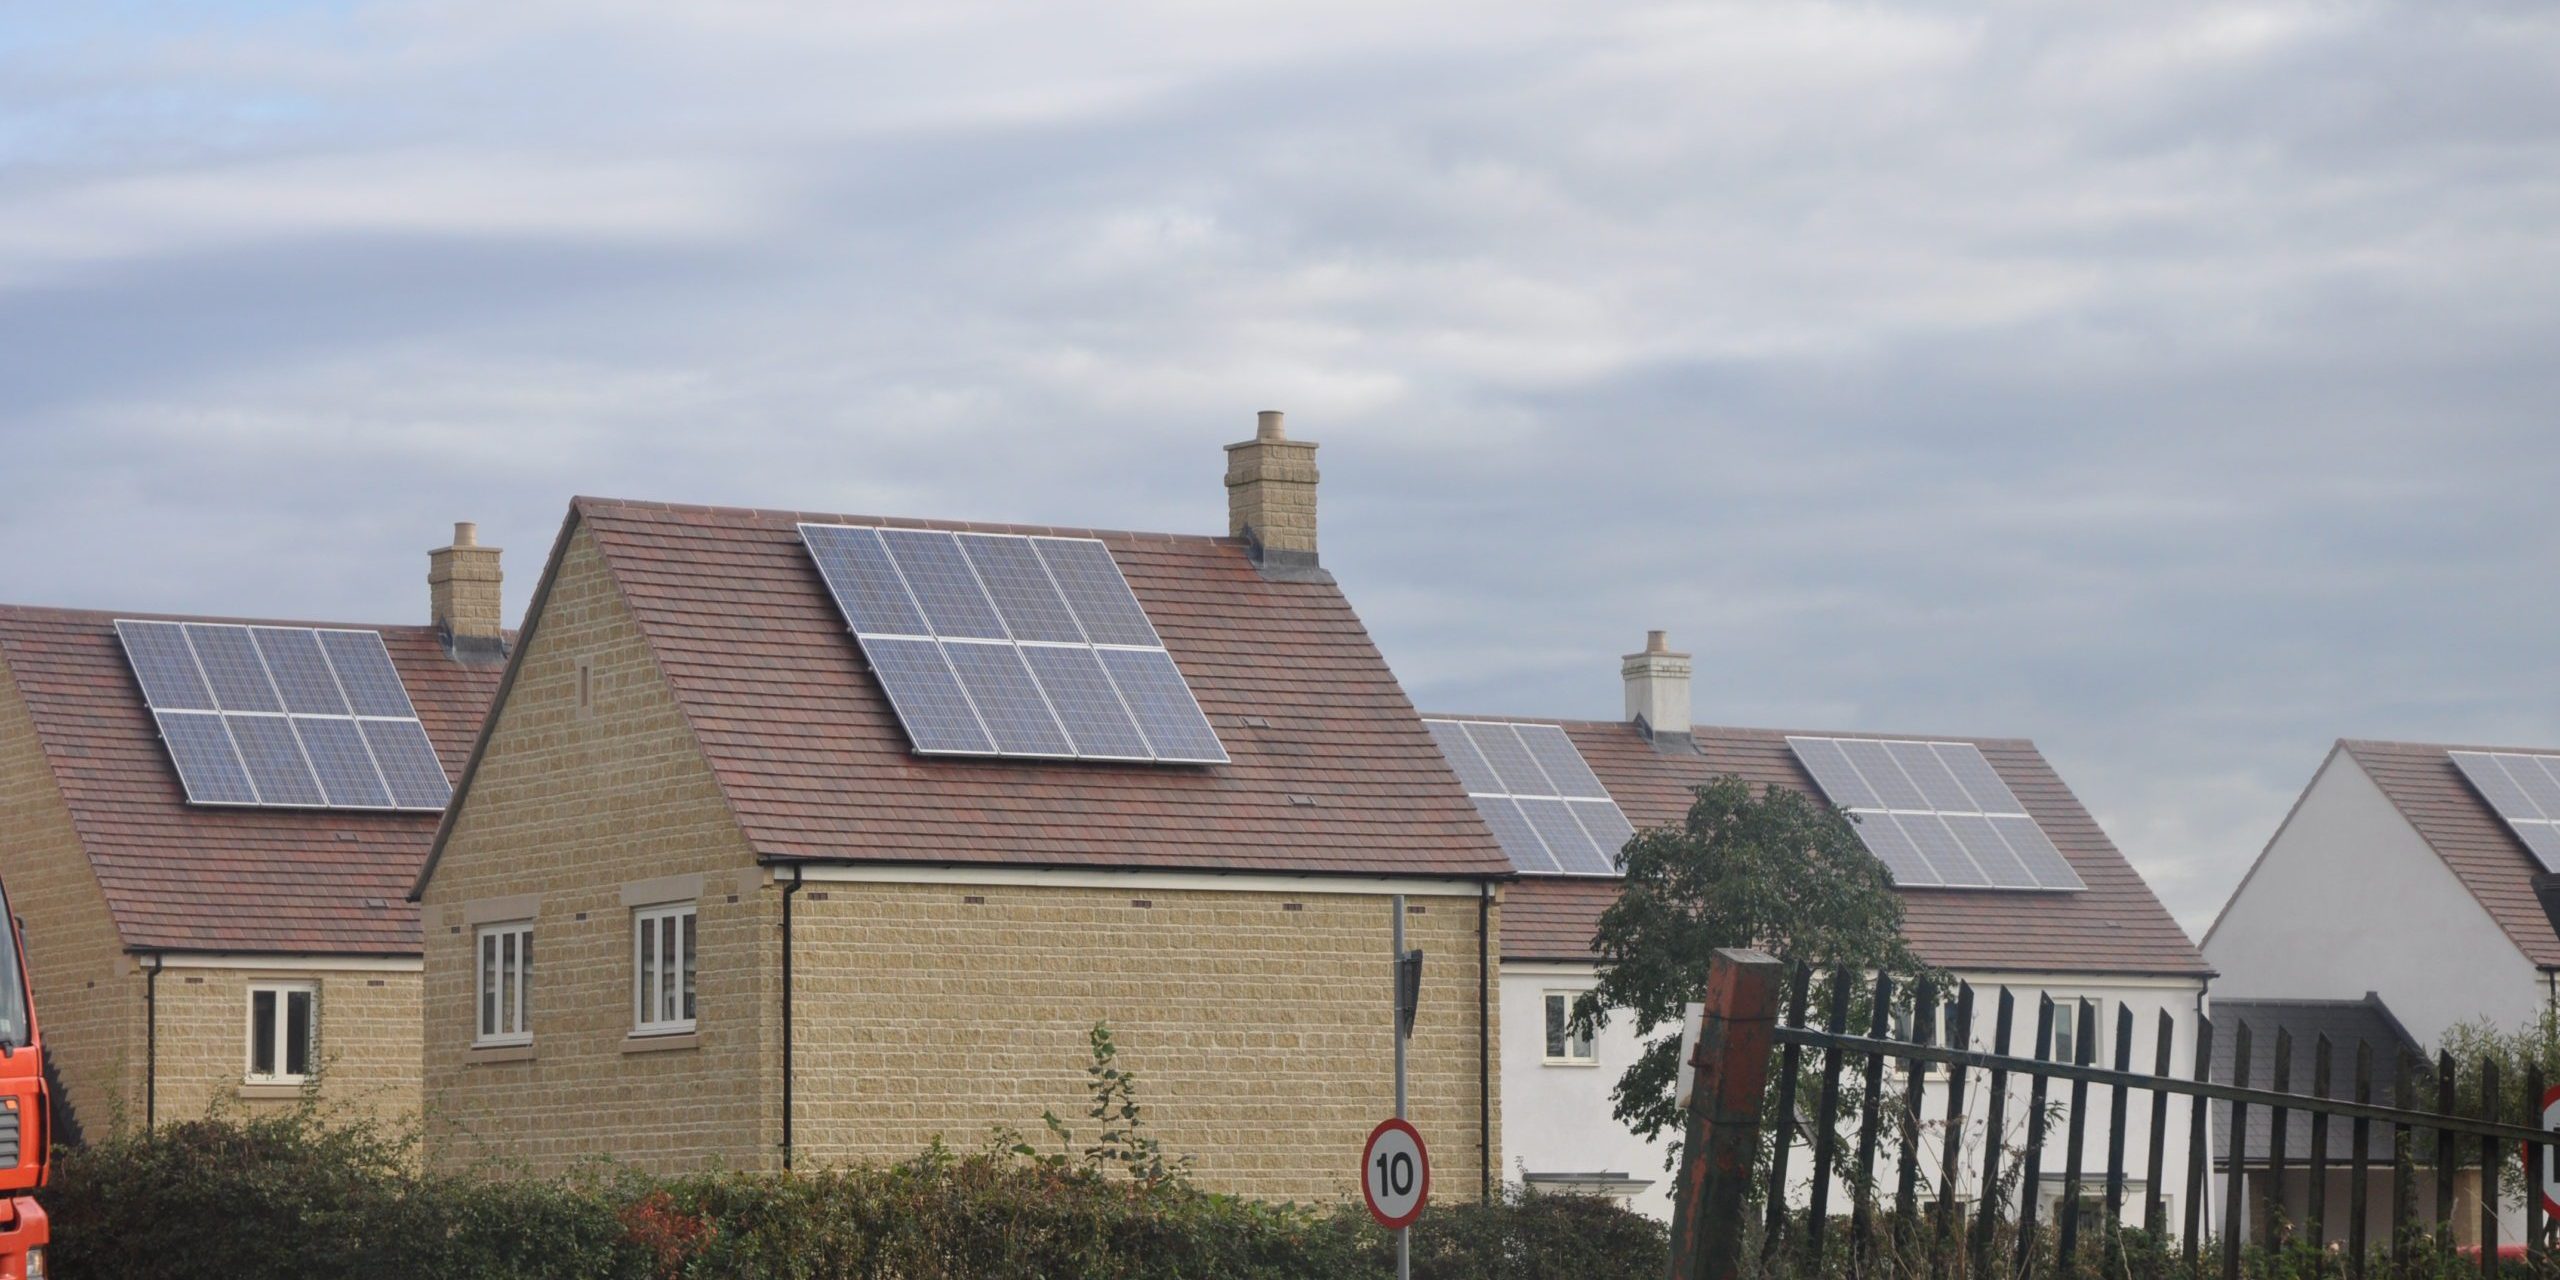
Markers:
{"x": 1746, "y": 1026}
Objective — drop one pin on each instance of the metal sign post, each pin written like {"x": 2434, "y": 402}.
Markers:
{"x": 1398, "y": 1199}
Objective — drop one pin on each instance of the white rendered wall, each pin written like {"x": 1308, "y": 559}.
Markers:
{"x": 1557, "y": 1119}
{"x": 2348, "y": 899}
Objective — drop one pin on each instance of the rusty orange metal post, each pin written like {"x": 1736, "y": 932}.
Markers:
{"x": 1723, "y": 1133}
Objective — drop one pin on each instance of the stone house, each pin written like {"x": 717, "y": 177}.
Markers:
{"x": 205, "y": 927}
{"x": 2083, "y": 929}
{"x": 806, "y": 897}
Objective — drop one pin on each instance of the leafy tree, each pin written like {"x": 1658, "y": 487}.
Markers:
{"x": 1777, "y": 870}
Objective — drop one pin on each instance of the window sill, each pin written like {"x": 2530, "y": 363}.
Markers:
{"x": 1569, "y": 1062}
{"x": 661, "y": 1042}
{"x": 270, "y": 1090}
{"x": 480, "y": 1053}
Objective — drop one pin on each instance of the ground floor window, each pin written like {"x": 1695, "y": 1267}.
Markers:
{"x": 1564, "y": 1044}
{"x": 506, "y": 984}
{"x": 662, "y": 960}
{"x": 283, "y": 1029}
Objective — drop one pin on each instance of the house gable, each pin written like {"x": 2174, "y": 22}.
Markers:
{"x": 573, "y": 815}
{"x": 87, "y": 992}
{"x": 2347, "y": 898}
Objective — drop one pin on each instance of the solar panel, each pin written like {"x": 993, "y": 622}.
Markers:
{"x": 166, "y": 666}
{"x": 954, "y": 602}
{"x": 1086, "y": 702}
{"x": 1023, "y": 592}
{"x": 1936, "y": 814}
{"x": 336, "y": 749}
{"x": 308, "y": 718}
{"x": 1096, "y": 590}
{"x": 1000, "y": 644}
{"x": 927, "y": 697}
{"x": 277, "y": 766}
{"x": 1548, "y": 811}
{"x": 1518, "y": 839}
{"x": 2525, "y": 790}
{"x": 1009, "y": 701}
{"x": 409, "y": 763}
{"x": 301, "y": 673}
{"x": 232, "y": 666}
{"x": 208, "y": 767}
{"x": 864, "y": 580}
{"x": 1162, "y": 702}
{"x": 365, "y": 672}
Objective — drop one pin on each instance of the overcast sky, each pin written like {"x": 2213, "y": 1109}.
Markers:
{"x": 2172, "y": 384}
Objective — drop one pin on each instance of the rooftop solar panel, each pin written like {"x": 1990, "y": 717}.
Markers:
{"x": 1009, "y": 701}
{"x": 301, "y": 673}
{"x": 166, "y": 665}
{"x": 864, "y": 580}
{"x": 276, "y": 763}
{"x": 1546, "y": 808}
{"x": 348, "y": 776}
{"x": 2525, "y": 790}
{"x": 1158, "y": 696}
{"x": 1087, "y": 703}
{"x": 365, "y": 672}
{"x": 1097, "y": 591}
{"x": 1011, "y": 645}
{"x": 409, "y": 763}
{"x": 1518, "y": 839}
{"x": 321, "y": 755}
{"x": 1936, "y": 814}
{"x": 1025, "y": 596}
{"x": 232, "y": 666}
{"x": 208, "y": 766}
{"x": 954, "y": 601}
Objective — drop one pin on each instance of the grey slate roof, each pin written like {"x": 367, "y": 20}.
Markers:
{"x": 2346, "y": 1023}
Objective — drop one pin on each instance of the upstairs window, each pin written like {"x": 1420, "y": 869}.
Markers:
{"x": 283, "y": 1025}
{"x": 506, "y": 984}
{"x": 1564, "y": 1045}
{"x": 662, "y": 960}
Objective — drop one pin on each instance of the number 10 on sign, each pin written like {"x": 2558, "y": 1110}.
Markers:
{"x": 1395, "y": 1174}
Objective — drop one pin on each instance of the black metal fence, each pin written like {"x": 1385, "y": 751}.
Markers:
{"x": 1851, "y": 1110}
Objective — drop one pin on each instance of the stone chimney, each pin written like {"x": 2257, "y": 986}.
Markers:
{"x": 1658, "y": 690}
{"x": 462, "y": 597}
{"x": 1271, "y": 499}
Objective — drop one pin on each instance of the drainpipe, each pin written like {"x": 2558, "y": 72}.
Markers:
{"x": 788, "y": 892}
{"x": 151, "y": 1045}
{"x": 1484, "y": 1034}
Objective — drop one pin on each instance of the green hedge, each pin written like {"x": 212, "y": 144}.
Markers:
{"x": 295, "y": 1198}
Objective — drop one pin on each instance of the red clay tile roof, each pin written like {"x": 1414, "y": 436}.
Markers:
{"x": 1332, "y": 771}
{"x": 2421, "y": 780}
{"x": 2113, "y": 926}
{"x": 182, "y": 878}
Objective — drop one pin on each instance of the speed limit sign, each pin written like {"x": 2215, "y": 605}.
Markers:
{"x": 1395, "y": 1174}
{"x": 2542, "y": 1168}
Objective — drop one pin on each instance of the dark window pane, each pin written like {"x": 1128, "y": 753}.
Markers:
{"x": 262, "y": 1033}
{"x": 297, "y": 1033}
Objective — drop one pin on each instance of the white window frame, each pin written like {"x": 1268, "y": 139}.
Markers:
{"x": 652, "y": 974}
{"x": 1590, "y": 1055}
{"x": 511, "y": 944}
{"x": 283, "y": 992}
{"x": 2066, "y": 1010}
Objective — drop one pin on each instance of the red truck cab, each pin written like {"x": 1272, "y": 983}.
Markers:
{"x": 26, "y": 1116}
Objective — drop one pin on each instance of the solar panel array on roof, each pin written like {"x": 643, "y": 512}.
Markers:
{"x": 2525, "y": 790}
{"x": 284, "y": 717}
{"x": 1005, "y": 645}
{"x": 1545, "y": 806}
{"x": 1936, "y": 814}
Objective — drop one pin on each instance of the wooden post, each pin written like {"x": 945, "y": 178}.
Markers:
{"x": 1722, "y": 1146}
